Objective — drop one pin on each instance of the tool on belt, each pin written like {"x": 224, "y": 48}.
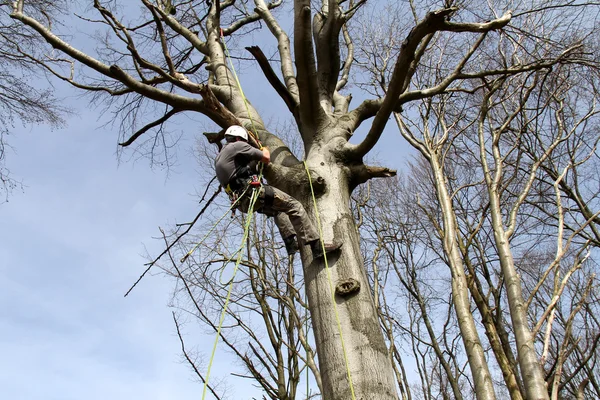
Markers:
{"x": 238, "y": 187}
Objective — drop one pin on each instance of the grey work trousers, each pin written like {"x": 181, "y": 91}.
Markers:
{"x": 290, "y": 216}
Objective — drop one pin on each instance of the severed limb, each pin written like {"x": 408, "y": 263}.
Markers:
{"x": 363, "y": 173}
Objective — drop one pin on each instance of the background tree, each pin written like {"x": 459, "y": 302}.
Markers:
{"x": 462, "y": 78}
{"x": 445, "y": 120}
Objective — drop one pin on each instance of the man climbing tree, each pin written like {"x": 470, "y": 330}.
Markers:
{"x": 178, "y": 63}
{"x": 238, "y": 172}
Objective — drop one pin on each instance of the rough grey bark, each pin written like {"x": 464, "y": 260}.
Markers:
{"x": 362, "y": 337}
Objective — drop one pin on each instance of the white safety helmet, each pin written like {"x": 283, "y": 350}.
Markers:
{"x": 236, "y": 130}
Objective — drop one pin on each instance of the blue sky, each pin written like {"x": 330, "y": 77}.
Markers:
{"x": 70, "y": 247}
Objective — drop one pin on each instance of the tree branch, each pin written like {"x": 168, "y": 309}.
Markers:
{"x": 434, "y": 21}
{"x": 169, "y": 246}
{"x": 177, "y": 27}
{"x": 310, "y": 110}
{"x": 249, "y": 19}
{"x": 149, "y": 126}
{"x": 326, "y": 30}
{"x": 189, "y": 359}
{"x": 279, "y": 87}
{"x": 283, "y": 45}
{"x": 59, "y": 44}
{"x": 478, "y": 27}
{"x": 222, "y": 115}
{"x": 115, "y": 72}
{"x": 349, "y": 59}
{"x": 363, "y": 173}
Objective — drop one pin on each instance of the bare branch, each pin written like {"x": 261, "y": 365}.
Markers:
{"x": 177, "y": 27}
{"x": 169, "y": 246}
{"x": 283, "y": 45}
{"x": 240, "y": 23}
{"x": 189, "y": 359}
{"x": 435, "y": 21}
{"x": 349, "y": 59}
{"x": 279, "y": 87}
{"x": 326, "y": 27}
{"x": 149, "y": 126}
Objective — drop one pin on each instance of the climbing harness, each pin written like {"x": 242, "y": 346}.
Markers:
{"x": 337, "y": 316}
{"x": 241, "y": 183}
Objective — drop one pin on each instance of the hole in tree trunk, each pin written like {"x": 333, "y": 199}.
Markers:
{"x": 347, "y": 287}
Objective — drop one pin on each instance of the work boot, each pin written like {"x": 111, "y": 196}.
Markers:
{"x": 291, "y": 245}
{"x": 317, "y": 248}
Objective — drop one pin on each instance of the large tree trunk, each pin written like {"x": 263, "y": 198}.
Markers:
{"x": 368, "y": 361}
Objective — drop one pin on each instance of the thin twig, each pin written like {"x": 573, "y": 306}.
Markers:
{"x": 191, "y": 224}
{"x": 187, "y": 357}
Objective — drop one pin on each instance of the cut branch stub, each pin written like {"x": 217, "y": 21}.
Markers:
{"x": 215, "y": 138}
{"x": 362, "y": 173}
{"x": 347, "y": 287}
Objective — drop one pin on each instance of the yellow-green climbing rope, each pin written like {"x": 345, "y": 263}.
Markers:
{"x": 337, "y": 315}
